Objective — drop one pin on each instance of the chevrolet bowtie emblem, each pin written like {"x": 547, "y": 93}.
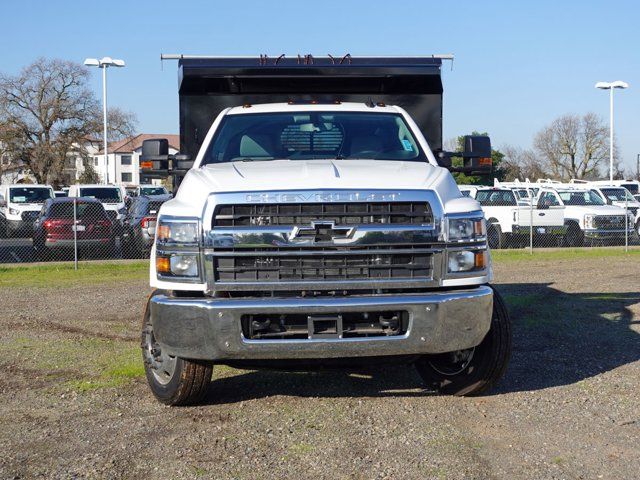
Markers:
{"x": 321, "y": 232}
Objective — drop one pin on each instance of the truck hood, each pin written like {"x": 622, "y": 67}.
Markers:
{"x": 594, "y": 210}
{"x": 313, "y": 174}
{"x": 280, "y": 175}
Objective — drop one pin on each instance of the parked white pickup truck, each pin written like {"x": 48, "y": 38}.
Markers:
{"x": 509, "y": 223}
{"x": 621, "y": 197}
{"x": 587, "y": 216}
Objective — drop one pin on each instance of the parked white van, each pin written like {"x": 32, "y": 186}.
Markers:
{"x": 20, "y": 205}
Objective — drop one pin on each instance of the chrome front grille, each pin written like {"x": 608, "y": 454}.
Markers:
{"x": 29, "y": 216}
{"x": 610, "y": 222}
{"x": 342, "y": 213}
{"x": 314, "y": 266}
{"x": 323, "y": 242}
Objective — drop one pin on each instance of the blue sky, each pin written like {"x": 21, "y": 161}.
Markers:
{"x": 517, "y": 67}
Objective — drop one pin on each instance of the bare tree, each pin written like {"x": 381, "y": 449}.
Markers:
{"x": 574, "y": 146}
{"x": 51, "y": 111}
{"x": 520, "y": 163}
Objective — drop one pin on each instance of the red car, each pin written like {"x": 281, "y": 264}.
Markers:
{"x": 55, "y": 231}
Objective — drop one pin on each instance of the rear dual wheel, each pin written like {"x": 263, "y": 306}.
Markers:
{"x": 473, "y": 371}
{"x": 173, "y": 380}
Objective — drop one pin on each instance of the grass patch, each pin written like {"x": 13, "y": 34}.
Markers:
{"x": 301, "y": 448}
{"x": 500, "y": 256}
{"x": 63, "y": 274}
{"x": 82, "y": 364}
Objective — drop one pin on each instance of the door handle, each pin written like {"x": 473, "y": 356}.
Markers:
{"x": 541, "y": 214}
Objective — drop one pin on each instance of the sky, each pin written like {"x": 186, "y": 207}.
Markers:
{"x": 517, "y": 66}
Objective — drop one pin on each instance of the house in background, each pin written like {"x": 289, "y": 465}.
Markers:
{"x": 124, "y": 158}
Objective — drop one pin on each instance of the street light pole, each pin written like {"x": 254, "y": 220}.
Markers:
{"x": 610, "y": 86}
{"x": 610, "y": 134}
{"x": 104, "y": 121}
{"x": 104, "y": 63}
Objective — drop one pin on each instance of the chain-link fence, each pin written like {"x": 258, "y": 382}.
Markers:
{"x": 68, "y": 229}
{"x": 72, "y": 229}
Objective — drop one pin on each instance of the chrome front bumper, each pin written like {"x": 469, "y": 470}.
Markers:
{"x": 540, "y": 230}
{"x": 210, "y": 328}
{"x": 600, "y": 233}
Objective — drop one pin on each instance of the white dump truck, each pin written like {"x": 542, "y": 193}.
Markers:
{"x": 318, "y": 225}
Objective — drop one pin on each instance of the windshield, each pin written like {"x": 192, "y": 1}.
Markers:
{"x": 153, "y": 191}
{"x": 632, "y": 187}
{"x": 29, "y": 194}
{"x": 580, "y": 197}
{"x": 313, "y": 135}
{"x": 617, "y": 194}
{"x": 496, "y": 198}
{"x": 108, "y": 195}
{"x": 144, "y": 208}
{"x": 83, "y": 210}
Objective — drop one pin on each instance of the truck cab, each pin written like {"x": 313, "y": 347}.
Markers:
{"x": 20, "y": 205}
{"x": 319, "y": 232}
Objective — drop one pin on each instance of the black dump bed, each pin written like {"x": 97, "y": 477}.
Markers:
{"x": 208, "y": 85}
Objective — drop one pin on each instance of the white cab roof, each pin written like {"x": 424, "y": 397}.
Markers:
{"x": 319, "y": 107}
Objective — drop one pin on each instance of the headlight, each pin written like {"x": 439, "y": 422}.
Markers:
{"x": 588, "y": 221}
{"x": 467, "y": 261}
{"x": 466, "y": 229}
{"x": 631, "y": 218}
{"x": 177, "y": 264}
{"x": 14, "y": 211}
{"x": 177, "y": 232}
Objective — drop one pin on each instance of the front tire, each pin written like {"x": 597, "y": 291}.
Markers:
{"x": 476, "y": 370}
{"x": 574, "y": 236}
{"x": 495, "y": 238}
{"x": 173, "y": 380}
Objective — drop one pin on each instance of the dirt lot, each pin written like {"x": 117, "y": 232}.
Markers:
{"x": 74, "y": 403}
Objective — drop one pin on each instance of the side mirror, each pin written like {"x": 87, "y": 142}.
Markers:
{"x": 477, "y": 153}
{"x": 444, "y": 159}
{"x": 155, "y": 154}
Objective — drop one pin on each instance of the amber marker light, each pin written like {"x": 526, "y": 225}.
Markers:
{"x": 163, "y": 265}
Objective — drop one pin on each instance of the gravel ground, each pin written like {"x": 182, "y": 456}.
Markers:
{"x": 74, "y": 403}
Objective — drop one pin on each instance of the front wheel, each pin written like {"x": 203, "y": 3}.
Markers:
{"x": 574, "y": 236}
{"x": 476, "y": 370}
{"x": 495, "y": 238}
{"x": 173, "y": 380}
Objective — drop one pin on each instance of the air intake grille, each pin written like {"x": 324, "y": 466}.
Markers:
{"x": 610, "y": 222}
{"x": 394, "y": 213}
{"x": 350, "y": 266}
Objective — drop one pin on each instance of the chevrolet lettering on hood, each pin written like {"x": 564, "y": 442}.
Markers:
{"x": 322, "y": 197}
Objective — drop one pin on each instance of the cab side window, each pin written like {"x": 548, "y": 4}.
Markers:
{"x": 548, "y": 199}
